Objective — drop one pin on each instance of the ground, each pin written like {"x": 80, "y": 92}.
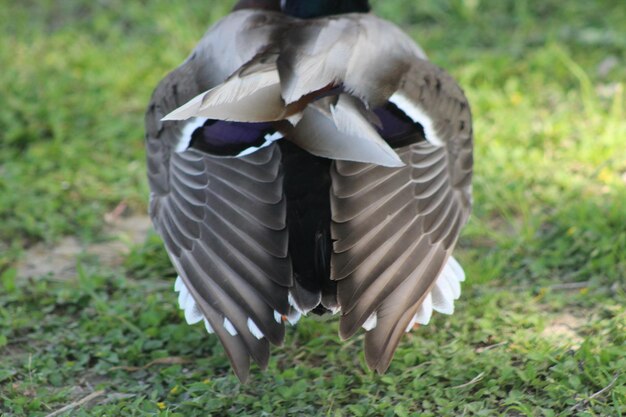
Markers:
{"x": 88, "y": 315}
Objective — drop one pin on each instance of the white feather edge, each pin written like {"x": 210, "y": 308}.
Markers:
{"x": 269, "y": 139}
{"x": 418, "y": 115}
{"x": 296, "y": 306}
{"x": 195, "y": 122}
{"x": 294, "y": 317}
{"x": 371, "y": 321}
{"x": 228, "y": 325}
{"x": 186, "y": 303}
{"x": 278, "y": 317}
{"x": 193, "y": 314}
{"x": 254, "y": 329}
{"x": 185, "y": 135}
{"x": 447, "y": 289}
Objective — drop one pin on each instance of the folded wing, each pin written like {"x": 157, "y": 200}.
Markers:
{"x": 394, "y": 228}
{"x": 223, "y": 219}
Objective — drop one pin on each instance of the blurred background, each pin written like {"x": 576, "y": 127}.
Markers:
{"x": 87, "y": 307}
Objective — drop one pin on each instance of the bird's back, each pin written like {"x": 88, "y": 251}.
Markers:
{"x": 318, "y": 165}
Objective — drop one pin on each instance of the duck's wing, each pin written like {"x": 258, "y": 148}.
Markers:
{"x": 394, "y": 228}
{"x": 223, "y": 220}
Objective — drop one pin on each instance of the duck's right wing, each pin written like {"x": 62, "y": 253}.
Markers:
{"x": 395, "y": 228}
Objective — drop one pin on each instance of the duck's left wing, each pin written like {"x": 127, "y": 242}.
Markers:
{"x": 223, "y": 219}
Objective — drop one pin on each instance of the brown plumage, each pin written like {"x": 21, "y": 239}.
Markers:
{"x": 360, "y": 216}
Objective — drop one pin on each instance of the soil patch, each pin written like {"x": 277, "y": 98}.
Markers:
{"x": 59, "y": 260}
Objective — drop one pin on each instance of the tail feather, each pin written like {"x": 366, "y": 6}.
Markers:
{"x": 338, "y": 128}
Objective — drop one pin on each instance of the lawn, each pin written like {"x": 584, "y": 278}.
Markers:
{"x": 540, "y": 329}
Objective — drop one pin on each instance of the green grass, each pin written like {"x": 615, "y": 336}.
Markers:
{"x": 550, "y": 193}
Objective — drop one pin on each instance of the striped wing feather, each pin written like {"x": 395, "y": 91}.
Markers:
{"x": 395, "y": 228}
{"x": 223, "y": 221}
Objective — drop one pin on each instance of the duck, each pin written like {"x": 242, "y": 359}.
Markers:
{"x": 308, "y": 158}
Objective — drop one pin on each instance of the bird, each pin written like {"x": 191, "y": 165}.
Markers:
{"x": 308, "y": 158}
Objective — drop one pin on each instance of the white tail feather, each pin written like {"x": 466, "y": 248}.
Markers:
{"x": 425, "y": 312}
{"x": 183, "y": 294}
{"x": 453, "y": 282}
{"x": 447, "y": 288}
{"x": 192, "y": 312}
{"x": 193, "y": 315}
{"x": 178, "y": 285}
{"x": 456, "y": 267}
{"x": 442, "y": 301}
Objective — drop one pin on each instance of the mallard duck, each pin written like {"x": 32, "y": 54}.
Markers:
{"x": 308, "y": 158}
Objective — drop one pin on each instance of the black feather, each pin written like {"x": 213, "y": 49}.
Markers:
{"x": 310, "y": 9}
{"x": 307, "y": 189}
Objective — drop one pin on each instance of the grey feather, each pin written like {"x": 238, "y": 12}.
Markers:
{"x": 392, "y": 240}
{"x": 223, "y": 220}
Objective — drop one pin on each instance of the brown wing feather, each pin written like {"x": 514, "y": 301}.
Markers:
{"x": 223, "y": 220}
{"x": 394, "y": 228}
{"x": 227, "y": 236}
